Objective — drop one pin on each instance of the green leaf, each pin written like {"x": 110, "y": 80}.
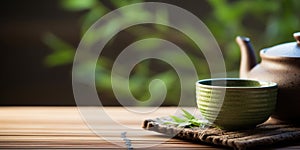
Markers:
{"x": 188, "y": 121}
{"x": 121, "y": 3}
{"x": 177, "y": 119}
{"x": 170, "y": 123}
{"x": 169, "y": 78}
{"x": 63, "y": 52}
{"x": 195, "y": 122}
{"x": 187, "y": 114}
{"x": 77, "y": 5}
{"x": 59, "y": 58}
{"x": 162, "y": 17}
{"x": 92, "y": 16}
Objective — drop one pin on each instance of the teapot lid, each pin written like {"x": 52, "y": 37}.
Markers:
{"x": 291, "y": 49}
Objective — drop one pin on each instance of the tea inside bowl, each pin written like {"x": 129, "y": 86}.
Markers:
{"x": 233, "y": 103}
{"x": 235, "y": 82}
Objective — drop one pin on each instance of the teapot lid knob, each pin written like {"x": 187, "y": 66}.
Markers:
{"x": 297, "y": 37}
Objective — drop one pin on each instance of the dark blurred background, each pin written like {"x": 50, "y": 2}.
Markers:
{"x": 29, "y": 76}
{"x": 26, "y": 80}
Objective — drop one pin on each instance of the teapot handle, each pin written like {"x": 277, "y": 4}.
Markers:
{"x": 297, "y": 37}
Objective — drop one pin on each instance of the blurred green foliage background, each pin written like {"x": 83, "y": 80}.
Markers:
{"x": 266, "y": 22}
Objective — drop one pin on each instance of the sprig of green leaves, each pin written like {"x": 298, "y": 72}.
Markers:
{"x": 188, "y": 121}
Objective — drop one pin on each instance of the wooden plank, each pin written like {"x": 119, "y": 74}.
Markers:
{"x": 63, "y": 127}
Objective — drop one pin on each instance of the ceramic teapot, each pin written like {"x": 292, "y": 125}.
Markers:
{"x": 280, "y": 64}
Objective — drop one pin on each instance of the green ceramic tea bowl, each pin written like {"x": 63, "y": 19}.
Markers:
{"x": 233, "y": 103}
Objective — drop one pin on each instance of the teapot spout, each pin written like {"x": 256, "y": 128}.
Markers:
{"x": 248, "y": 58}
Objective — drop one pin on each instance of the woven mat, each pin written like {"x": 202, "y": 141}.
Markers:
{"x": 262, "y": 135}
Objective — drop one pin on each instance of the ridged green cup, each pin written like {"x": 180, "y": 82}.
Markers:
{"x": 232, "y": 103}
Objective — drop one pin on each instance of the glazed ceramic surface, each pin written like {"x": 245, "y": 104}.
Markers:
{"x": 280, "y": 64}
{"x": 236, "y": 103}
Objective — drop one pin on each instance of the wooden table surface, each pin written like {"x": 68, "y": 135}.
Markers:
{"x": 63, "y": 127}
